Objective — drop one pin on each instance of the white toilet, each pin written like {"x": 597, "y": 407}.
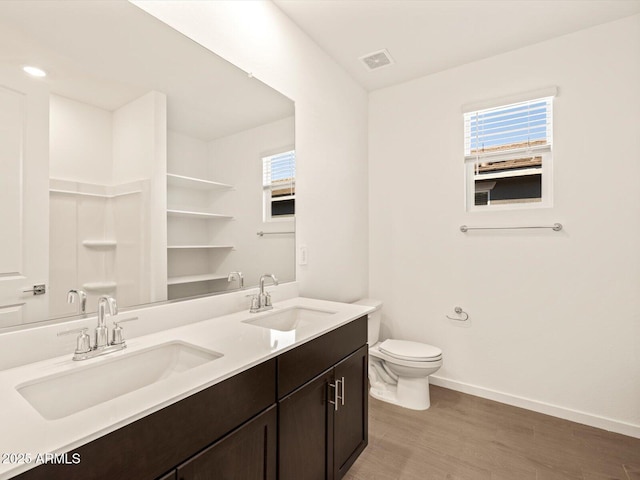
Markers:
{"x": 399, "y": 369}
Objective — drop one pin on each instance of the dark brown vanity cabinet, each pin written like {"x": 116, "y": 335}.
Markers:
{"x": 248, "y": 453}
{"x": 306, "y": 423}
{"x": 272, "y": 421}
{"x": 323, "y": 422}
{"x": 154, "y": 446}
{"x": 350, "y": 425}
{"x": 169, "y": 476}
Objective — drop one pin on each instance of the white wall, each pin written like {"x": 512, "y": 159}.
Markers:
{"x": 555, "y": 317}
{"x": 331, "y": 130}
{"x": 237, "y": 160}
{"x": 140, "y": 154}
{"x": 80, "y": 141}
{"x": 186, "y": 155}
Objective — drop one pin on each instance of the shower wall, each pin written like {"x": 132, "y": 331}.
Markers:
{"x": 99, "y": 240}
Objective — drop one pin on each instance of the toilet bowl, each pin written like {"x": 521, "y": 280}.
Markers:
{"x": 399, "y": 369}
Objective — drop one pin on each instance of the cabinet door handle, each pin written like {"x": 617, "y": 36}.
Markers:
{"x": 334, "y": 402}
{"x": 337, "y": 396}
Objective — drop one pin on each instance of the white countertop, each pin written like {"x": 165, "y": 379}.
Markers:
{"x": 25, "y": 431}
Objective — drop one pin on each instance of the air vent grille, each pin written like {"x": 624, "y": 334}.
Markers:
{"x": 376, "y": 60}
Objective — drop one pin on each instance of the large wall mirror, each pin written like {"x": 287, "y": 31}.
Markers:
{"x": 141, "y": 166}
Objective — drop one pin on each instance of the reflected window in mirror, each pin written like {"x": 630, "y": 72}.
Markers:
{"x": 279, "y": 186}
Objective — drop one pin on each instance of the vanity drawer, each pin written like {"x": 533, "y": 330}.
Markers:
{"x": 151, "y": 446}
{"x": 303, "y": 363}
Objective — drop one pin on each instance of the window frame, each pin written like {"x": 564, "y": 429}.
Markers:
{"x": 267, "y": 198}
{"x": 544, "y": 151}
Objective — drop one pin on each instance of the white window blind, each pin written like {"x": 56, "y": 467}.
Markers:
{"x": 279, "y": 172}
{"x": 506, "y": 129}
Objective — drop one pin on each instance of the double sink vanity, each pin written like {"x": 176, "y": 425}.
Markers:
{"x": 274, "y": 394}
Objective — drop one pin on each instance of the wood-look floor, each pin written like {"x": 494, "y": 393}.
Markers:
{"x": 467, "y": 437}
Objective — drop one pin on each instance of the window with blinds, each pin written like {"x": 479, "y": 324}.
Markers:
{"x": 508, "y": 153}
{"x": 279, "y": 185}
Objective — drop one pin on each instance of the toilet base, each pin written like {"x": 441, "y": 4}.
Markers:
{"x": 412, "y": 393}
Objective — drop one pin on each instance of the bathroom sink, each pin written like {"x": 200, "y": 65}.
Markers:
{"x": 288, "y": 319}
{"x": 61, "y": 395}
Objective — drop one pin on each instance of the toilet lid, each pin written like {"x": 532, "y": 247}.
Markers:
{"x": 406, "y": 350}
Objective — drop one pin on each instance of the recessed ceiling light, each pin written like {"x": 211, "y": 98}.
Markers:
{"x": 34, "y": 71}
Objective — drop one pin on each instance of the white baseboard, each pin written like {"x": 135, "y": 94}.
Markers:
{"x": 541, "y": 407}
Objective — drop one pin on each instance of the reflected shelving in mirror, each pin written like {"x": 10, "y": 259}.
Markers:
{"x": 105, "y": 286}
{"x": 177, "y": 247}
{"x": 186, "y": 213}
{"x": 174, "y": 180}
{"x": 100, "y": 243}
{"x": 143, "y": 164}
{"x": 205, "y": 277}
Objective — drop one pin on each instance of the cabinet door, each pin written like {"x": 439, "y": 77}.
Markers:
{"x": 350, "y": 423}
{"x": 306, "y": 425}
{"x": 248, "y": 453}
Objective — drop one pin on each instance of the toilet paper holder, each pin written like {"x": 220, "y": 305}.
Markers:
{"x": 459, "y": 311}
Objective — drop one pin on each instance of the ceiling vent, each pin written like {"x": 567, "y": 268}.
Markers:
{"x": 376, "y": 60}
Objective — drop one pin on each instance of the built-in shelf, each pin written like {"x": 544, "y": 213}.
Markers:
{"x": 99, "y": 286}
{"x": 193, "y": 185}
{"x": 70, "y": 187}
{"x": 179, "y": 280}
{"x": 99, "y": 243}
{"x": 197, "y": 183}
{"x": 186, "y": 213}
{"x": 173, "y": 247}
{"x": 87, "y": 194}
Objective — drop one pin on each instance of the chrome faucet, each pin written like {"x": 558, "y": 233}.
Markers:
{"x": 102, "y": 332}
{"x": 262, "y": 301}
{"x": 82, "y": 300}
{"x": 237, "y": 276}
{"x": 101, "y": 345}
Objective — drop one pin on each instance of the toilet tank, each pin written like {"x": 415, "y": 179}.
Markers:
{"x": 373, "y": 325}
